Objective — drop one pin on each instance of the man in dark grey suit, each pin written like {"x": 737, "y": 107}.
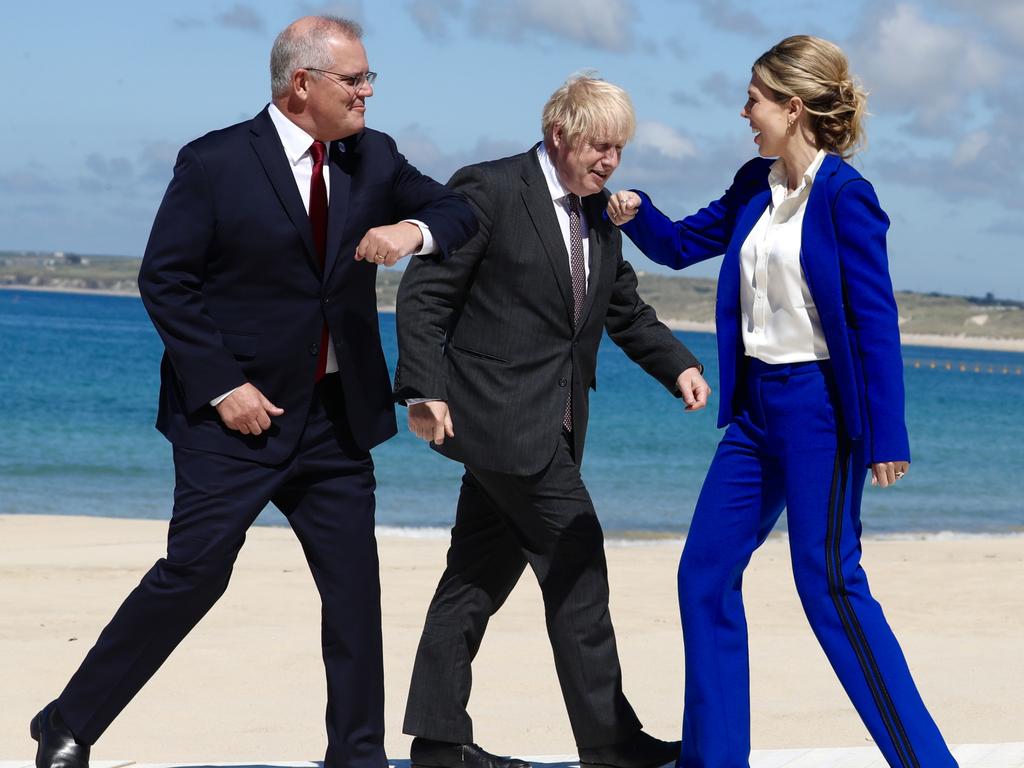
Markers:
{"x": 497, "y": 352}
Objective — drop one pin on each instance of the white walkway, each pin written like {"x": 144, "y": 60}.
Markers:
{"x": 968, "y": 755}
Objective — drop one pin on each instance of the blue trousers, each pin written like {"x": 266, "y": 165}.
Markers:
{"x": 785, "y": 449}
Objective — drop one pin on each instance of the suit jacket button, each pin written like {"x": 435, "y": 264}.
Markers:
{"x": 562, "y": 383}
{"x": 314, "y": 348}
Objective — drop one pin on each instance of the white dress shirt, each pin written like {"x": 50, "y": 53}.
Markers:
{"x": 296, "y": 143}
{"x": 780, "y": 321}
{"x": 560, "y": 199}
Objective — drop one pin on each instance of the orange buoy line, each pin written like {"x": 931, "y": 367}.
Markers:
{"x": 965, "y": 367}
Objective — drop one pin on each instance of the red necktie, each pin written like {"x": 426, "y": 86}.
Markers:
{"x": 318, "y": 222}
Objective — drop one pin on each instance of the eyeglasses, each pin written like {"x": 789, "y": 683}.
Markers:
{"x": 355, "y": 82}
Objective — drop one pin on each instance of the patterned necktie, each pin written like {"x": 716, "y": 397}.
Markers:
{"x": 579, "y": 273}
{"x": 318, "y": 223}
{"x": 579, "y": 282}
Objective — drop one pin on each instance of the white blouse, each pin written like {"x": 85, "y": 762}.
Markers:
{"x": 780, "y": 322}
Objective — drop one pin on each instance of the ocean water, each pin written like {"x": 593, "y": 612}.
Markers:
{"x": 78, "y": 390}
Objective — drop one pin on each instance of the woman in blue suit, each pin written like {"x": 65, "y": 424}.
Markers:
{"x": 811, "y": 396}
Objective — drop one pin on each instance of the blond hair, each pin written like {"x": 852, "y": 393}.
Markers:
{"x": 817, "y": 72}
{"x": 586, "y": 107}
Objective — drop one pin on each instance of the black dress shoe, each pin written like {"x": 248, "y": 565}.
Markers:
{"x": 57, "y": 745}
{"x": 427, "y": 753}
{"x": 639, "y": 751}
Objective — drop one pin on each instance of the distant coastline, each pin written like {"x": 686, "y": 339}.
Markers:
{"x": 988, "y": 343}
{"x": 946, "y": 341}
{"x": 64, "y": 289}
{"x": 685, "y": 304}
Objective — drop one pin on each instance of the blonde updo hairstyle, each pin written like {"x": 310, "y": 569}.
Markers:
{"x": 817, "y": 72}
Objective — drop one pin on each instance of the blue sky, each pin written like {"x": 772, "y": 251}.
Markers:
{"x": 100, "y": 96}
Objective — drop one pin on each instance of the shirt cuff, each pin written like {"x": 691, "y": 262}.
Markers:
{"x": 429, "y": 246}
{"x": 218, "y": 400}
{"x": 418, "y": 400}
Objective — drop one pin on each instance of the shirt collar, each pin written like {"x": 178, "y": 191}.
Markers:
{"x": 555, "y": 187}
{"x": 777, "y": 174}
{"x": 296, "y": 142}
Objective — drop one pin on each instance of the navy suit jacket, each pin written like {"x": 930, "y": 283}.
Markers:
{"x": 232, "y": 282}
{"x": 843, "y": 256}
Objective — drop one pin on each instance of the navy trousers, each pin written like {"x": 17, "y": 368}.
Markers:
{"x": 785, "y": 449}
{"x": 325, "y": 489}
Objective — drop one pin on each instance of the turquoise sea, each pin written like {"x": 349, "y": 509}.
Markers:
{"x": 78, "y": 390}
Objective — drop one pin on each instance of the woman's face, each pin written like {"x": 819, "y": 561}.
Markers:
{"x": 769, "y": 120}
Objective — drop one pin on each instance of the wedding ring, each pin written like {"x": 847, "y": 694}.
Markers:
{"x": 379, "y": 259}
{"x": 899, "y": 475}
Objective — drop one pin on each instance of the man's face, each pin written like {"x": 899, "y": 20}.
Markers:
{"x": 585, "y": 168}
{"x": 337, "y": 109}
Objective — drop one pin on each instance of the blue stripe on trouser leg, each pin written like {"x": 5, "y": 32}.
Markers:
{"x": 782, "y": 448}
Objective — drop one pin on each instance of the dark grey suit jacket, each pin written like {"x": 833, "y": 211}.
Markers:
{"x": 490, "y": 328}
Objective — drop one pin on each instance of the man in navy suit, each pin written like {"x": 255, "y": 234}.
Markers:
{"x": 259, "y": 276}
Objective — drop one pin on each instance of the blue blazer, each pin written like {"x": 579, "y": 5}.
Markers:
{"x": 234, "y": 286}
{"x": 844, "y": 260}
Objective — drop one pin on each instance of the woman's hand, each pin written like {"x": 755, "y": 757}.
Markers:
{"x": 622, "y": 207}
{"x": 886, "y": 473}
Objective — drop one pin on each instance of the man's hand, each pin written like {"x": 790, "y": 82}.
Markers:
{"x": 431, "y": 421}
{"x": 622, "y": 207}
{"x": 385, "y": 246}
{"x": 694, "y": 390}
{"x": 886, "y": 473}
{"x": 246, "y": 410}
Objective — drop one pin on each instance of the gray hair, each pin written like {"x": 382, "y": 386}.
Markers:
{"x": 306, "y": 46}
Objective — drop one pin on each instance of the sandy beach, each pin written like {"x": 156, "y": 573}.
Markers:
{"x": 248, "y": 682}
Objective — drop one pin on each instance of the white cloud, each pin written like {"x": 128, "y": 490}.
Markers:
{"x": 187, "y": 22}
{"x": 27, "y": 180}
{"x": 682, "y": 184}
{"x": 970, "y": 148}
{"x": 728, "y": 16}
{"x": 348, "y": 9}
{"x": 243, "y": 17}
{"x": 924, "y": 68}
{"x": 726, "y": 89}
{"x": 602, "y": 24}
{"x": 1006, "y": 17}
{"x": 664, "y": 139}
{"x": 432, "y": 16}
{"x": 428, "y": 156}
{"x": 1009, "y": 18}
{"x": 948, "y": 72}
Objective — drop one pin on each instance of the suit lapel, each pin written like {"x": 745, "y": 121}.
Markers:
{"x": 819, "y": 257}
{"x": 267, "y": 145}
{"x": 538, "y": 203}
{"x": 729, "y": 277}
{"x": 342, "y": 160}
